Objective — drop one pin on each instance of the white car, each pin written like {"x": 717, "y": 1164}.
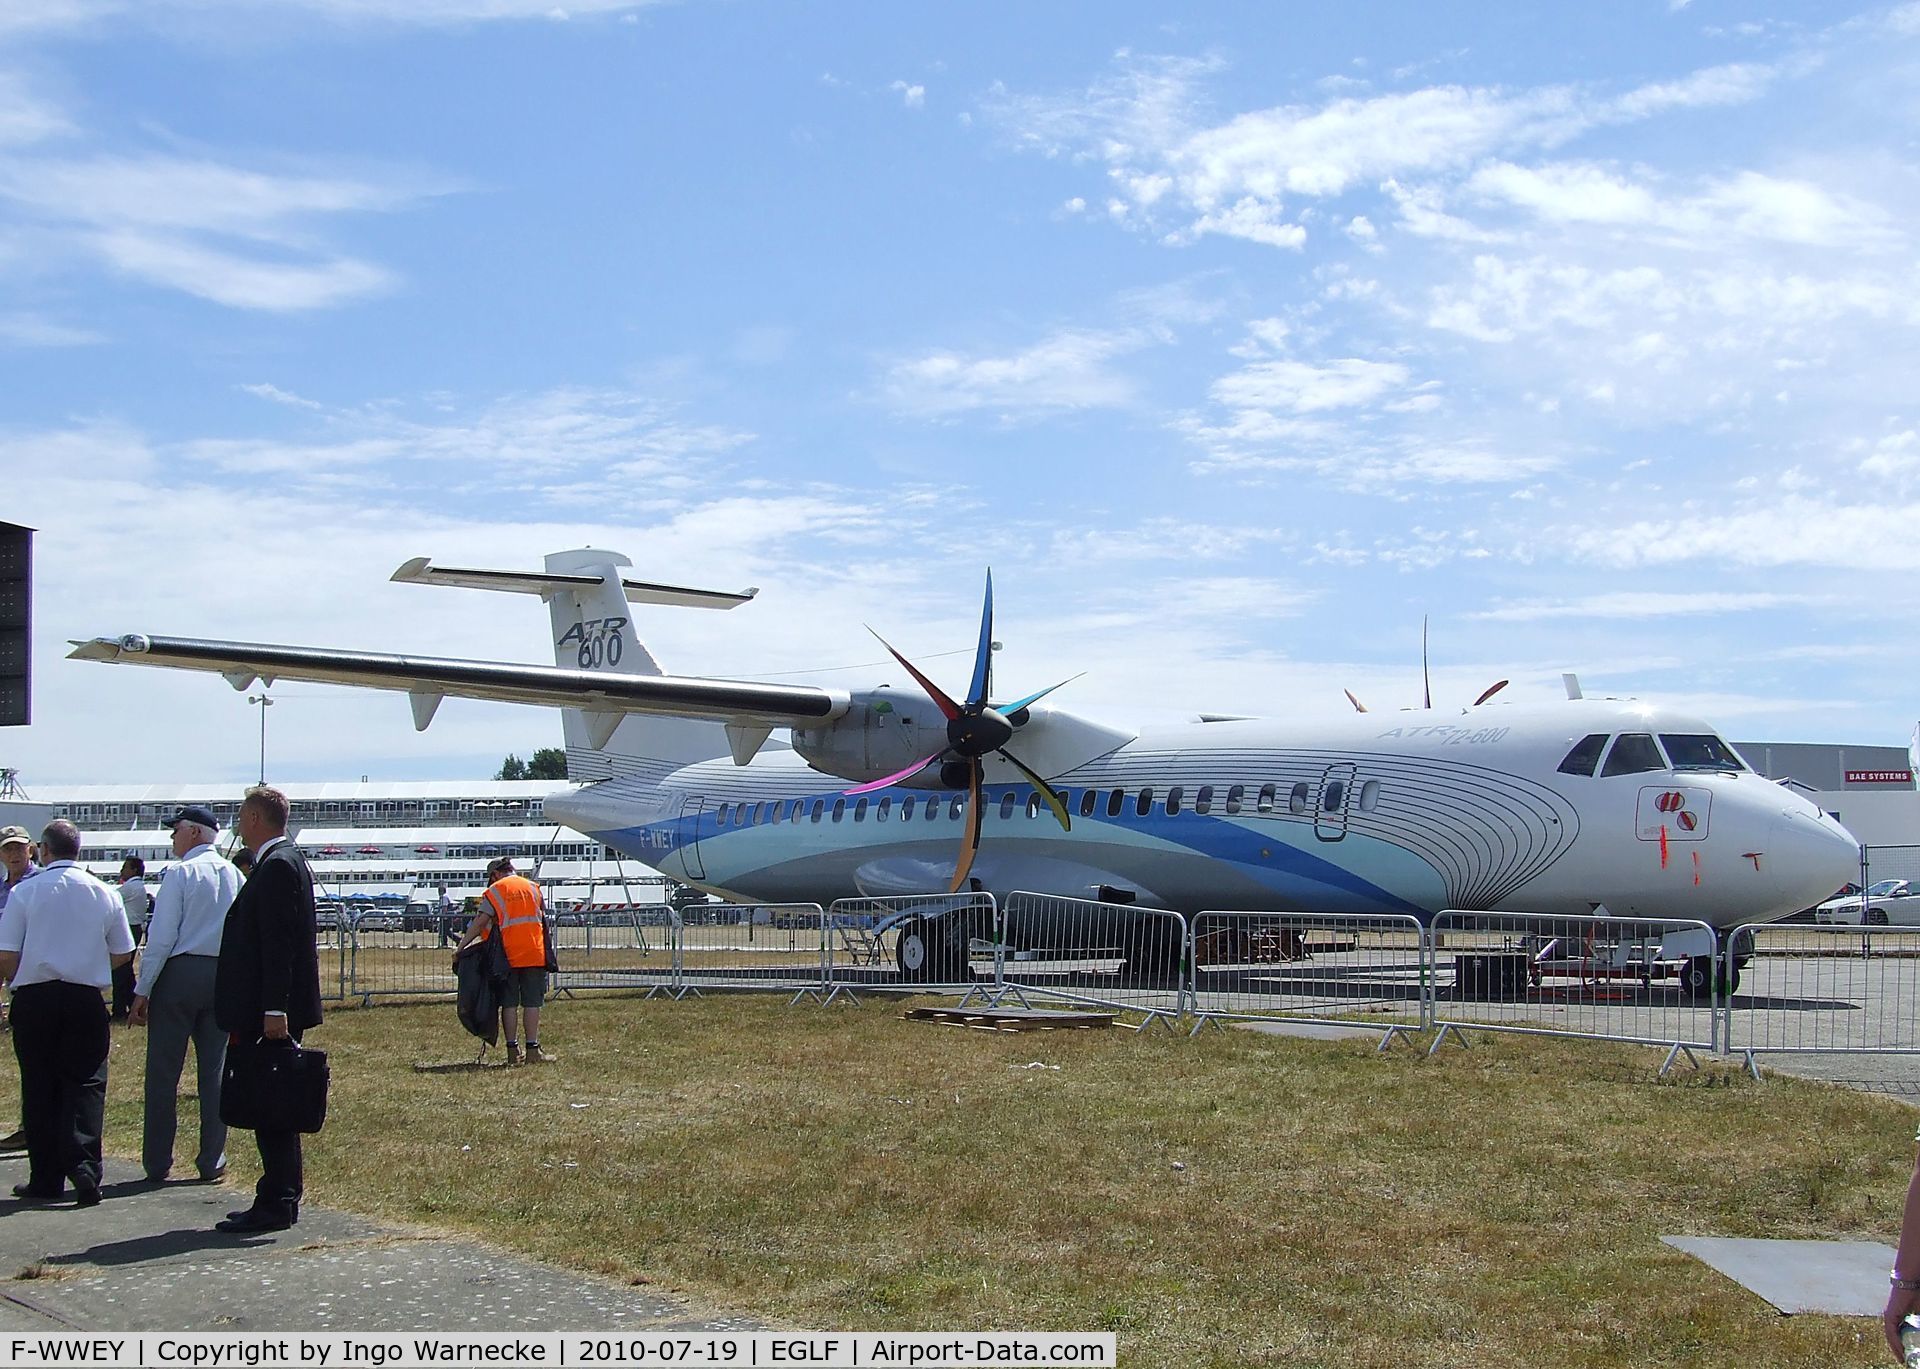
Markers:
{"x": 1887, "y": 902}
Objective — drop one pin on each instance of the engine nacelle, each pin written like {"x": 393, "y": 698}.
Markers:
{"x": 882, "y": 732}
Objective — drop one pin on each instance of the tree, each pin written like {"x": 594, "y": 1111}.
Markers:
{"x": 512, "y": 768}
{"x": 548, "y": 763}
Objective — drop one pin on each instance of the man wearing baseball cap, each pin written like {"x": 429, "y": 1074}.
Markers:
{"x": 173, "y": 995}
{"x": 16, "y": 860}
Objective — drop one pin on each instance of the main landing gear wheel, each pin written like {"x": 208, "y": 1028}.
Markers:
{"x": 926, "y": 952}
{"x": 1698, "y": 980}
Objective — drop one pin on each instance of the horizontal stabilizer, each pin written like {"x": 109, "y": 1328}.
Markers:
{"x": 545, "y": 583}
{"x": 424, "y": 677}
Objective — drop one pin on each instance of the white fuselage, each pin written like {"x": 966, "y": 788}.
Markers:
{"x": 1409, "y": 812}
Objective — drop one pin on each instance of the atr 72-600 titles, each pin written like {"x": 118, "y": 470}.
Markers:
{"x": 1556, "y": 808}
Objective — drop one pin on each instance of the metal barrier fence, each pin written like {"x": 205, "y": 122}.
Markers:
{"x": 330, "y": 946}
{"x": 756, "y": 946}
{"x": 1105, "y": 954}
{"x": 384, "y": 957}
{"x": 1779, "y": 988}
{"x": 627, "y": 948}
{"x": 1823, "y": 991}
{"x": 1369, "y": 970}
{"x": 1645, "y": 981}
{"x": 933, "y": 941}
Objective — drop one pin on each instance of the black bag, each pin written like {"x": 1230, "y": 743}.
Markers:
{"x": 275, "y": 1088}
{"x": 480, "y": 974}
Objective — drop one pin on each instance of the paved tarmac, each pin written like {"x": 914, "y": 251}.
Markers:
{"x": 147, "y": 1259}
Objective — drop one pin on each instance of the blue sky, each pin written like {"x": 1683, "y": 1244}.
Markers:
{"x": 1235, "y": 342}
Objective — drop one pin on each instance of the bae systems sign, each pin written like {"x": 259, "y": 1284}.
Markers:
{"x": 1879, "y": 777}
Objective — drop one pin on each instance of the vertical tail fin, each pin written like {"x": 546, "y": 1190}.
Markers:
{"x": 593, "y": 630}
{"x": 589, "y": 598}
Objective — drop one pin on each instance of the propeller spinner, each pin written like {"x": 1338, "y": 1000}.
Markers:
{"x": 975, "y": 729}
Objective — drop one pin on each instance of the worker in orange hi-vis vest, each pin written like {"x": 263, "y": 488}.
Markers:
{"x": 512, "y": 905}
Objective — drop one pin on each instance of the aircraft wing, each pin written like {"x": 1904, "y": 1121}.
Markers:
{"x": 428, "y": 679}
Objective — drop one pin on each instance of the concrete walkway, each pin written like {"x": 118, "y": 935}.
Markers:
{"x": 147, "y": 1259}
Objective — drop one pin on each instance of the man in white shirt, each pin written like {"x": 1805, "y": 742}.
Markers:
{"x": 173, "y": 996}
{"x": 133, "y": 896}
{"x": 61, "y": 934}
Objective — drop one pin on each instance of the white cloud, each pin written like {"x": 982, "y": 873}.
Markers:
{"x": 1068, "y": 370}
{"x": 240, "y": 238}
{"x": 279, "y": 396}
{"x": 1300, "y": 387}
{"x": 1236, "y": 176}
{"x": 912, "y": 96}
{"x": 1788, "y": 531}
{"x": 30, "y": 330}
{"x": 24, "y": 117}
{"x": 1632, "y": 604}
{"x": 1745, "y": 205}
{"x": 239, "y": 281}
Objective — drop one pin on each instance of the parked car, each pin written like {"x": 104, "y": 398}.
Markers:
{"x": 1887, "y": 902}
{"x": 378, "y": 920}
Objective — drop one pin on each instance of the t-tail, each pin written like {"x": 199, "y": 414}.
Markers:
{"x": 589, "y": 599}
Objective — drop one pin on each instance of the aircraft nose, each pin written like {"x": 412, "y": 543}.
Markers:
{"x": 1812, "y": 855}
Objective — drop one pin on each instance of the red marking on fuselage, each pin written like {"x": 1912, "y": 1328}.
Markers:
{"x": 1663, "y": 846}
{"x": 1696, "y": 866}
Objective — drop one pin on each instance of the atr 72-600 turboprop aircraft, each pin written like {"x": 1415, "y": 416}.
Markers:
{"x": 1555, "y": 808}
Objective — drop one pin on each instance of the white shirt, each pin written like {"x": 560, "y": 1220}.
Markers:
{"x": 133, "y": 895}
{"x": 189, "y": 912}
{"x": 65, "y": 924}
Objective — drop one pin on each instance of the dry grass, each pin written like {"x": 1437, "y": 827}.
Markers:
{"x": 1232, "y": 1200}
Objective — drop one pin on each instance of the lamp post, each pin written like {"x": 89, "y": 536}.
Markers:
{"x": 265, "y": 703}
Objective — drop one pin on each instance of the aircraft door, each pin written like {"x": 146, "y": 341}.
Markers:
{"x": 1337, "y": 796}
{"x": 691, "y": 809}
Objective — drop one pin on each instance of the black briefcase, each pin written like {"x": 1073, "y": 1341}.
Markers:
{"x": 272, "y": 1087}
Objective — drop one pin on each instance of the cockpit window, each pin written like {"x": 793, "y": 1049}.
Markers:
{"x": 1585, "y": 755}
{"x": 1695, "y": 751}
{"x": 1633, "y": 754}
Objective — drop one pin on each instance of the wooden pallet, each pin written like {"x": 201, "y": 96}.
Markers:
{"x": 1012, "y": 1019}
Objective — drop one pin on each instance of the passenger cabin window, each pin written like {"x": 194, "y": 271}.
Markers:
{"x": 906, "y": 808}
{"x": 885, "y": 808}
{"x": 839, "y": 809}
{"x": 1145, "y": 804}
{"x": 1006, "y": 805}
{"x": 819, "y": 807}
{"x": 1203, "y": 799}
{"x": 1297, "y": 798}
{"x": 1233, "y": 797}
{"x": 1633, "y": 754}
{"x": 933, "y": 807}
{"x": 1585, "y": 755}
{"x": 774, "y": 810}
{"x": 1694, "y": 751}
{"x": 1087, "y": 799}
{"x": 1369, "y": 796}
{"x": 1116, "y": 799}
{"x": 1034, "y": 804}
{"x": 1334, "y": 795}
{"x": 859, "y": 810}
{"x": 1173, "y": 800}
{"x": 1266, "y": 802}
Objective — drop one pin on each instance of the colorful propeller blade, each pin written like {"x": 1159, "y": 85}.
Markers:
{"x": 970, "y": 843}
{"x": 1491, "y": 691}
{"x": 1034, "y": 697}
{"x": 934, "y": 692}
{"x": 894, "y": 778}
{"x": 983, "y": 657}
{"x": 1045, "y": 790}
{"x": 1426, "y": 680}
{"x": 1358, "y": 707}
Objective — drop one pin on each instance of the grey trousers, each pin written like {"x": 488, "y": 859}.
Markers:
{"x": 181, "y": 1010}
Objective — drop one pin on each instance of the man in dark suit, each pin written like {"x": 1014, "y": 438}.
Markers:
{"x": 267, "y": 987}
